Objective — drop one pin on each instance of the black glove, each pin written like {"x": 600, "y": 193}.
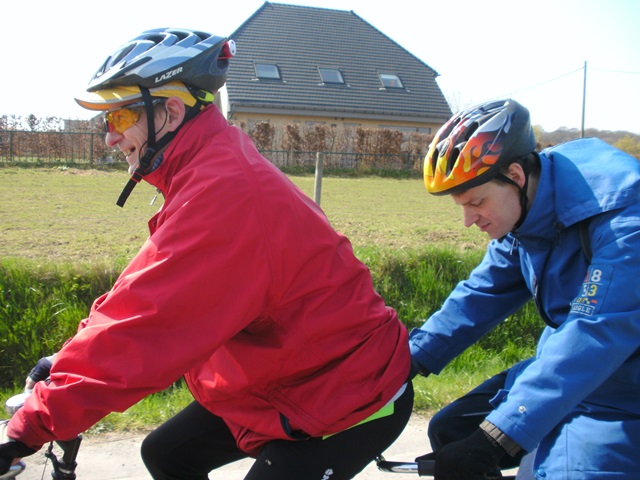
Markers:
{"x": 41, "y": 370}
{"x": 474, "y": 458}
{"x": 417, "y": 369}
{"x": 10, "y": 449}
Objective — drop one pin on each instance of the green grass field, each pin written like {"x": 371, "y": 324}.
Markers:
{"x": 70, "y": 214}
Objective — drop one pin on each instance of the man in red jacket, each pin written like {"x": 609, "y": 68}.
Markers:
{"x": 243, "y": 288}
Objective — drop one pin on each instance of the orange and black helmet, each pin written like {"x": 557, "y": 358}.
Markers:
{"x": 472, "y": 147}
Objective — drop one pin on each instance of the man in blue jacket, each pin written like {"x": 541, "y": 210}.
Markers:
{"x": 565, "y": 230}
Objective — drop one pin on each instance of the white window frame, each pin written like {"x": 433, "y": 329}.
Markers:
{"x": 267, "y": 71}
{"x": 390, "y": 80}
{"x": 325, "y": 72}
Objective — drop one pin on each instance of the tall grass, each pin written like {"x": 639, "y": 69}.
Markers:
{"x": 40, "y": 307}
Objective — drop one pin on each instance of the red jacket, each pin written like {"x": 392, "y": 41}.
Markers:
{"x": 245, "y": 290}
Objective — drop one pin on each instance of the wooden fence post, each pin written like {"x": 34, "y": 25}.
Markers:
{"x": 317, "y": 190}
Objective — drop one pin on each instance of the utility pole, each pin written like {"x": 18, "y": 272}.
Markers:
{"x": 584, "y": 98}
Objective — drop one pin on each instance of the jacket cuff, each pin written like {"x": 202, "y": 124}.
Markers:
{"x": 510, "y": 446}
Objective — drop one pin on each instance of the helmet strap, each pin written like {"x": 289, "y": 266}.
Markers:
{"x": 150, "y": 152}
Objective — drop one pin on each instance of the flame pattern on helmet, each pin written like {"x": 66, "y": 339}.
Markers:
{"x": 466, "y": 150}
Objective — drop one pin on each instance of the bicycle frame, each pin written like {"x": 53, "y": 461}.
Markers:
{"x": 65, "y": 468}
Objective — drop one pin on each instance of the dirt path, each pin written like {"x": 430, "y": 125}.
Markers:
{"x": 117, "y": 457}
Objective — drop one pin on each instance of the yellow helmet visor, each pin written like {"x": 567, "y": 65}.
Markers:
{"x": 117, "y": 97}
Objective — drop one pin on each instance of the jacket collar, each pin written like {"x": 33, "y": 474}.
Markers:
{"x": 578, "y": 180}
{"x": 591, "y": 177}
{"x": 182, "y": 149}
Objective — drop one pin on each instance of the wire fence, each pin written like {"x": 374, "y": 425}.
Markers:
{"x": 23, "y": 147}
{"x": 89, "y": 149}
{"x": 352, "y": 161}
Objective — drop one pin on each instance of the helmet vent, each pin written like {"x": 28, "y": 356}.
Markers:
{"x": 453, "y": 158}
{"x": 121, "y": 55}
{"x": 471, "y": 130}
{"x": 433, "y": 161}
{"x": 156, "y": 39}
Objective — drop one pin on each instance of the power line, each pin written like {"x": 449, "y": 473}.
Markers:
{"x": 531, "y": 87}
{"x": 544, "y": 83}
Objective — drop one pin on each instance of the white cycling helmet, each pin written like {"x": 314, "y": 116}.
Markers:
{"x": 165, "y": 61}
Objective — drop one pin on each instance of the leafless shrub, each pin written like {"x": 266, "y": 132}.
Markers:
{"x": 262, "y": 135}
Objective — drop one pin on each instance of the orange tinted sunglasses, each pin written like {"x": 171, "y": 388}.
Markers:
{"x": 123, "y": 118}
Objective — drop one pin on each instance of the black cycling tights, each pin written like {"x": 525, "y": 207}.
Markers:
{"x": 195, "y": 442}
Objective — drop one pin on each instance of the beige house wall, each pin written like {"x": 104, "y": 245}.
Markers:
{"x": 248, "y": 120}
{"x": 340, "y": 133}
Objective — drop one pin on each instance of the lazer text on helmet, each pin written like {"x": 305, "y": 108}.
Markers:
{"x": 168, "y": 75}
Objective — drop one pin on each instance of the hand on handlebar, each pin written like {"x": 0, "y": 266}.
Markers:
{"x": 39, "y": 372}
{"x": 474, "y": 458}
{"x": 11, "y": 451}
{"x": 417, "y": 369}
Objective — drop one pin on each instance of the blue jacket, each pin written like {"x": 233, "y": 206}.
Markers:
{"x": 578, "y": 400}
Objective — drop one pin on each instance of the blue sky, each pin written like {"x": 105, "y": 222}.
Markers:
{"x": 534, "y": 52}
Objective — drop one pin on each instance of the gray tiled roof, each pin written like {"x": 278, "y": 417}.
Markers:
{"x": 302, "y": 39}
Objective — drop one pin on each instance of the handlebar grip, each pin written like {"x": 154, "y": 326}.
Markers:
{"x": 426, "y": 467}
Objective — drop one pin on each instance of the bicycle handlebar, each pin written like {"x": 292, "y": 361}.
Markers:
{"x": 423, "y": 468}
{"x": 63, "y": 469}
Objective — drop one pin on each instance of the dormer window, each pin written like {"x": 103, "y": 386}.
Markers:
{"x": 390, "y": 80}
{"x": 267, "y": 71}
{"x": 331, "y": 75}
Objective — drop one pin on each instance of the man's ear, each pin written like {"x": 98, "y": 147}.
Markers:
{"x": 176, "y": 111}
{"x": 516, "y": 173}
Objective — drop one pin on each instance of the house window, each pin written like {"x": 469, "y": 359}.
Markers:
{"x": 267, "y": 71}
{"x": 390, "y": 80}
{"x": 330, "y": 75}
